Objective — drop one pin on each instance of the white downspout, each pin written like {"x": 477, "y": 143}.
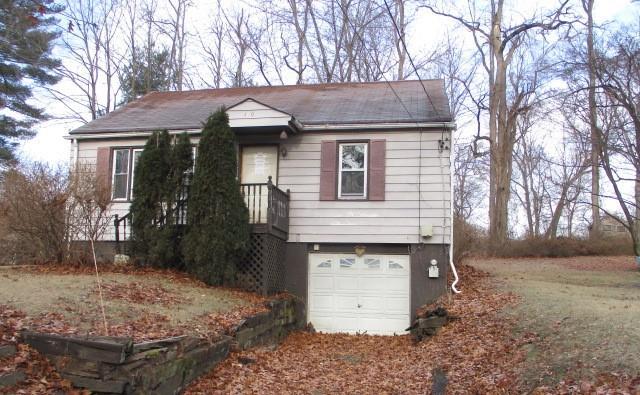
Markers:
{"x": 453, "y": 267}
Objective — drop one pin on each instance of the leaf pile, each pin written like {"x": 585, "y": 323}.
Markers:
{"x": 41, "y": 378}
{"x": 142, "y": 293}
{"x": 475, "y": 351}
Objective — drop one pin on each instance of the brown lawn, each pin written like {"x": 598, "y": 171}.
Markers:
{"x": 584, "y": 313}
{"x": 143, "y": 304}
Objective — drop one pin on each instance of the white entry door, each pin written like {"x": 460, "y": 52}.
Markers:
{"x": 258, "y": 163}
{"x": 353, "y": 294}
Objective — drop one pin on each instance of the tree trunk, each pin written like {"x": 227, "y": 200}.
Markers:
{"x": 593, "y": 121}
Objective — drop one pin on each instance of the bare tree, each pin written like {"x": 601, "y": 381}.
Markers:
{"x": 91, "y": 64}
{"x": 617, "y": 73}
{"x": 238, "y": 33}
{"x": 566, "y": 176}
{"x": 497, "y": 40}
{"x": 530, "y": 180}
{"x": 89, "y": 201}
{"x": 587, "y": 5}
{"x": 468, "y": 180}
{"x": 33, "y": 209}
{"x": 173, "y": 28}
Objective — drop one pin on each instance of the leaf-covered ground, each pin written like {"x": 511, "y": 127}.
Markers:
{"x": 486, "y": 350}
{"x": 144, "y": 304}
{"x": 481, "y": 352}
{"x": 476, "y": 351}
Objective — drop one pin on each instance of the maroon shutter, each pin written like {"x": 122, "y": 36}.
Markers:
{"x": 103, "y": 172}
{"x": 328, "y": 175}
{"x": 377, "y": 153}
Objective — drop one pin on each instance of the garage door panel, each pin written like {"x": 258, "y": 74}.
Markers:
{"x": 346, "y": 302}
{"x": 370, "y": 304}
{"x": 321, "y": 302}
{"x": 322, "y": 283}
{"x": 323, "y": 323}
{"x": 398, "y": 305}
{"x": 346, "y": 283}
{"x": 381, "y": 284}
{"x": 384, "y": 326}
{"x": 353, "y": 294}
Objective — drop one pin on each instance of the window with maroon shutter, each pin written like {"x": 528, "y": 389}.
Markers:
{"x": 353, "y": 170}
{"x": 377, "y": 149}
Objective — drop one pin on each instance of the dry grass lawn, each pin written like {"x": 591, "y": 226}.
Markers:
{"x": 143, "y": 305}
{"x": 584, "y": 311}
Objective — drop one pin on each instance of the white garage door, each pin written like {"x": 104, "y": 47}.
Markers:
{"x": 352, "y": 294}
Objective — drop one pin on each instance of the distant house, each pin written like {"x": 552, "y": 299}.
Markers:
{"x": 348, "y": 186}
{"x": 612, "y": 227}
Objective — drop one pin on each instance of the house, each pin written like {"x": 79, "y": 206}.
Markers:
{"x": 348, "y": 187}
{"x": 611, "y": 226}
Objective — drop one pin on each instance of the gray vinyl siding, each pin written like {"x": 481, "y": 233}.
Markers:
{"x": 417, "y": 190}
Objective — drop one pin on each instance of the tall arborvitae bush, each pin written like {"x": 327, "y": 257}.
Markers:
{"x": 148, "y": 205}
{"x": 167, "y": 249}
{"x": 218, "y": 232}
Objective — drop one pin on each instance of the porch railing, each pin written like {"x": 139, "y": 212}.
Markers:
{"x": 268, "y": 211}
{"x": 120, "y": 225}
{"x": 268, "y": 207}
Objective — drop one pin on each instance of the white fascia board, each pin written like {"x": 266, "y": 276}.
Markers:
{"x": 116, "y": 135}
{"x": 371, "y": 126}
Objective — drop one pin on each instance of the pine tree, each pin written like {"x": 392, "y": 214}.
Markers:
{"x": 140, "y": 76}
{"x": 26, "y": 41}
{"x": 148, "y": 206}
{"x": 218, "y": 232}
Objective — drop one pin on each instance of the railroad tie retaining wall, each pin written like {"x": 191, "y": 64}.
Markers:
{"x": 115, "y": 365}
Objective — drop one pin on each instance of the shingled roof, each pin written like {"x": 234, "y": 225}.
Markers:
{"x": 343, "y": 103}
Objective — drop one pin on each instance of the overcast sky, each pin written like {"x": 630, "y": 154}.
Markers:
{"x": 50, "y": 146}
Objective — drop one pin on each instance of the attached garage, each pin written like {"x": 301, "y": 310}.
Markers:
{"x": 366, "y": 294}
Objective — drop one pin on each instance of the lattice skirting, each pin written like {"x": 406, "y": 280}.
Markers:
{"x": 262, "y": 270}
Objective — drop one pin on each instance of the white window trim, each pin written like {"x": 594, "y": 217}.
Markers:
{"x": 365, "y": 170}
{"x": 133, "y": 170}
{"x": 113, "y": 174}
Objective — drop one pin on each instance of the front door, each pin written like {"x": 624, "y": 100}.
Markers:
{"x": 257, "y": 164}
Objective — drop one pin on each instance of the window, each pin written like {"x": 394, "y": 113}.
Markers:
{"x": 372, "y": 263}
{"x": 136, "y": 156}
{"x": 347, "y": 262}
{"x": 121, "y": 170}
{"x": 123, "y": 166}
{"x": 352, "y": 171}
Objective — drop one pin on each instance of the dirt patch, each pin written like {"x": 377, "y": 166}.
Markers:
{"x": 582, "y": 314}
